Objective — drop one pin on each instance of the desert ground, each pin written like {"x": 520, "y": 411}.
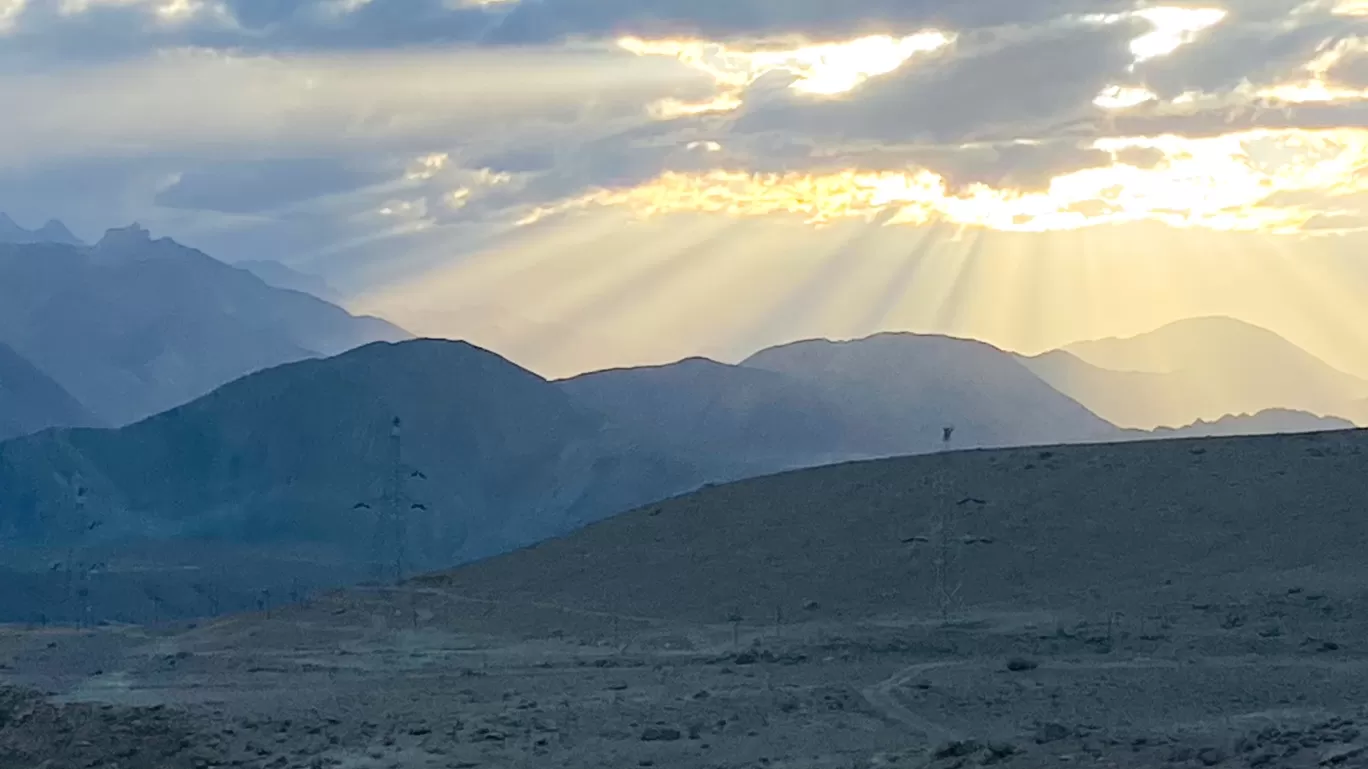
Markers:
{"x": 1174, "y": 604}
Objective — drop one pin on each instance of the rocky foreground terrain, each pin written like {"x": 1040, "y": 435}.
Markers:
{"x": 1175, "y": 604}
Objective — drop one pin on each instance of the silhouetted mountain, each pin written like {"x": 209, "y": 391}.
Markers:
{"x": 730, "y": 421}
{"x": 1203, "y": 368}
{"x": 279, "y": 460}
{"x": 133, "y": 326}
{"x": 51, "y": 232}
{"x": 819, "y": 402}
{"x": 911, "y": 385}
{"x": 31, "y": 401}
{"x": 281, "y": 276}
{"x": 1268, "y": 422}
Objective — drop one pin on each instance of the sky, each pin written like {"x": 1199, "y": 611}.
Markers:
{"x": 579, "y": 184}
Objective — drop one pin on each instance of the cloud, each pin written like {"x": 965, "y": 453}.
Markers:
{"x": 1233, "y": 182}
{"x": 263, "y": 185}
{"x": 197, "y": 98}
{"x": 750, "y": 19}
{"x": 980, "y": 91}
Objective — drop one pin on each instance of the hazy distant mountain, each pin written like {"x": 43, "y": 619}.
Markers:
{"x": 279, "y": 460}
{"x": 51, "y": 232}
{"x": 281, "y": 276}
{"x": 1132, "y": 399}
{"x": 1358, "y": 411}
{"x": 133, "y": 326}
{"x": 31, "y": 401}
{"x": 1269, "y": 422}
{"x": 911, "y": 385}
{"x": 1204, "y": 368}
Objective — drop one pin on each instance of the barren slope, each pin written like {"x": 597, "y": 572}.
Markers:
{"x": 1068, "y": 524}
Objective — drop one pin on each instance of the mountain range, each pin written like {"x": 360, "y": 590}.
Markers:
{"x": 252, "y": 423}
{"x": 294, "y": 468}
{"x": 302, "y": 454}
{"x": 132, "y": 326}
{"x": 1267, "y": 422}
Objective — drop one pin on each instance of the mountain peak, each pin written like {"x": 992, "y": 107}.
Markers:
{"x": 135, "y": 242}
{"x": 54, "y": 231}
{"x": 132, "y": 234}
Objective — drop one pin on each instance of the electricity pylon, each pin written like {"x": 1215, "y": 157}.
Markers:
{"x": 395, "y": 505}
{"x": 78, "y": 572}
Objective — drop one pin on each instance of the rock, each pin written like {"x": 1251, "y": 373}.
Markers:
{"x": 1021, "y": 664}
{"x": 1051, "y": 732}
{"x": 1211, "y": 756}
{"x": 957, "y": 749}
{"x": 999, "y": 751}
{"x": 661, "y": 734}
{"x": 1338, "y": 754}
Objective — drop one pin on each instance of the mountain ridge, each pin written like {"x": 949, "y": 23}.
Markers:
{"x": 52, "y": 231}
{"x": 31, "y": 401}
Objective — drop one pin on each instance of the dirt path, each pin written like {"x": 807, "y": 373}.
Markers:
{"x": 883, "y": 697}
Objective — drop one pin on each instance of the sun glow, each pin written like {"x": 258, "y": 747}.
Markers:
{"x": 1173, "y": 28}
{"x": 1117, "y": 97}
{"x": 1235, "y": 182}
{"x": 1317, "y": 85}
{"x": 817, "y": 69}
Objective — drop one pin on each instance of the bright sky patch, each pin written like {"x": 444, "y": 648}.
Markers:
{"x": 1226, "y": 183}
{"x": 818, "y": 69}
